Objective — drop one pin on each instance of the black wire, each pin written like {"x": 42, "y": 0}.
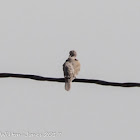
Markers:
{"x": 40, "y": 78}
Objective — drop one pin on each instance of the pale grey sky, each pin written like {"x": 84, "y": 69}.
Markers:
{"x": 36, "y": 37}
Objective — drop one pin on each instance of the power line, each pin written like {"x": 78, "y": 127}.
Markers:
{"x": 40, "y": 78}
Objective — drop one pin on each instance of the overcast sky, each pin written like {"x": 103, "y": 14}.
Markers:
{"x": 36, "y": 37}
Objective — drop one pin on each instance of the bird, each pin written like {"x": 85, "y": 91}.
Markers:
{"x": 71, "y": 68}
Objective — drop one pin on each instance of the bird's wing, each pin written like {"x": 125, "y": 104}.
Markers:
{"x": 68, "y": 74}
{"x": 68, "y": 70}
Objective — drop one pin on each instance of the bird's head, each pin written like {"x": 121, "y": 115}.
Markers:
{"x": 73, "y": 53}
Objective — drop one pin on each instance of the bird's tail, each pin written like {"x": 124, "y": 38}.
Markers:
{"x": 67, "y": 84}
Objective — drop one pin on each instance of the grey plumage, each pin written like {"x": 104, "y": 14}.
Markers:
{"x": 71, "y": 68}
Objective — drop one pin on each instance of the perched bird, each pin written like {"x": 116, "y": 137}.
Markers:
{"x": 71, "y": 68}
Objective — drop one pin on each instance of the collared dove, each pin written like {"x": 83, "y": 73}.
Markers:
{"x": 71, "y": 68}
